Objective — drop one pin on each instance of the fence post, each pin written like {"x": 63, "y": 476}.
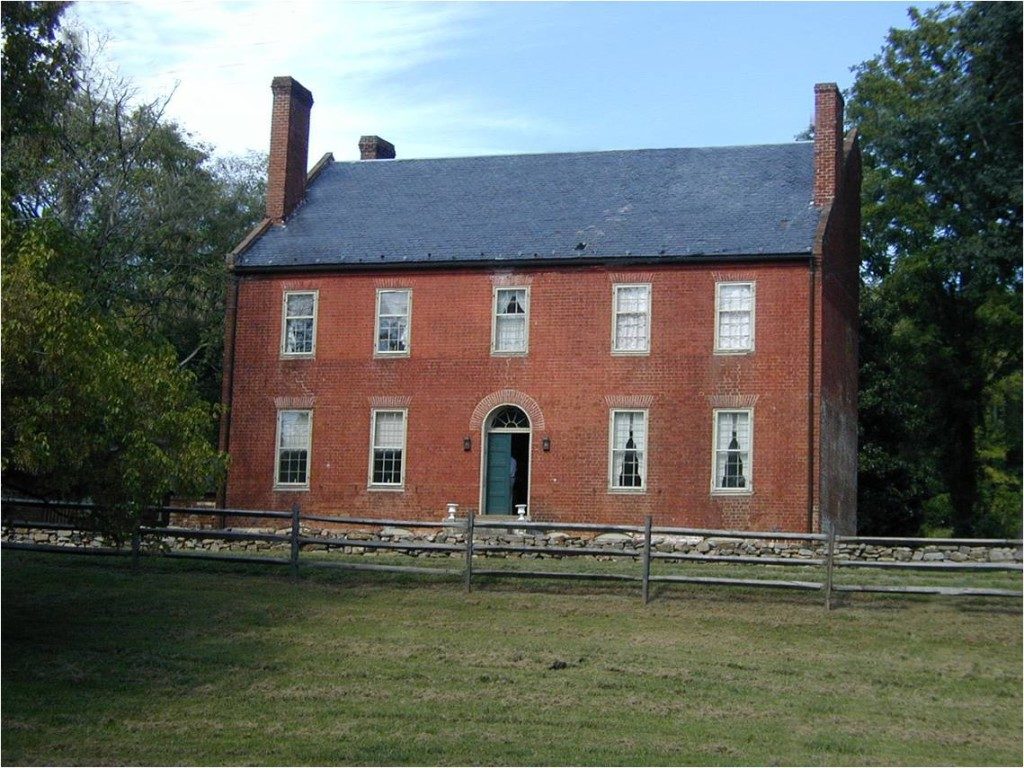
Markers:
{"x": 828, "y": 565}
{"x": 136, "y": 545}
{"x": 295, "y": 541}
{"x": 469, "y": 551}
{"x": 647, "y": 560}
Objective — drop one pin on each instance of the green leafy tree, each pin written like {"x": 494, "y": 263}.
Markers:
{"x": 939, "y": 113}
{"x": 115, "y": 230}
{"x": 93, "y": 407}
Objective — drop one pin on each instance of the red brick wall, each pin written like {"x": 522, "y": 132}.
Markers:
{"x": 570, "y": 374}
{"x": 840, "y": 285}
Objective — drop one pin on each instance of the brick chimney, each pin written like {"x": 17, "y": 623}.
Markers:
{"x": 828, "y": 142}
{"x": 289, "y": 147}
{"x": 375, "y": 148}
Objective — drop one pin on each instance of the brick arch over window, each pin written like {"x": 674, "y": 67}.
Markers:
{"x": 507, "y": 397}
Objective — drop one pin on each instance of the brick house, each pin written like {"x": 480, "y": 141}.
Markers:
{"x": 598, "y": 336}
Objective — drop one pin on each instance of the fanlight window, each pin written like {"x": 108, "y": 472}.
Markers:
{"x": 510, "y": 417}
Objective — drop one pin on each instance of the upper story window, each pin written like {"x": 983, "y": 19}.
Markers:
{"x": 734, "y": 451}
{"x": 631, "y": 319}
{"x": 298, "y": 323}
{"x": 627, "y": 461}
{"x": 294, "y": 429}
{"x": 387, "y": 449}
{"x": 734, "y": 317}
{"x": 393, "y": 313}
{"x": 511, "y": 329}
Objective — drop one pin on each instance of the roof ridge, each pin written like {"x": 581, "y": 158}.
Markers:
{"x": 575, "y": 153}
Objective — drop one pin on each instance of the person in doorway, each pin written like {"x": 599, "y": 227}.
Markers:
{"x": 512, "y": 466}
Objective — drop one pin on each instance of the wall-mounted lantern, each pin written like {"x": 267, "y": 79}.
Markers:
{"x": 545, "y": 444}
{"x": 467, "y": 444}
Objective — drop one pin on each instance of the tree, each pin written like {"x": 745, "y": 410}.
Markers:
{"x": 939, "y": 114}
{"x": 115, "y": 231}
{"x": 92, "y": 407}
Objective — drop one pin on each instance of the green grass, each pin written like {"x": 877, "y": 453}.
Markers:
{"x": 183, "y": 662}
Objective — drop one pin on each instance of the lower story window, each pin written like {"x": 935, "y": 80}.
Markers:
{"x": 733, "y": 450}
{"x": 387, "y": 452}
{"x": 628, "y": 441}
{"x": 293, "y": 443}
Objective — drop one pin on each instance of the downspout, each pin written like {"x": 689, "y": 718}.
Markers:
{"x": 812, "y": 275}
{"x": 227, "y": 385}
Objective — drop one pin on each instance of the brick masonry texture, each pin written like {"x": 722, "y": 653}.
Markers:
{"x": 569, "y": 372}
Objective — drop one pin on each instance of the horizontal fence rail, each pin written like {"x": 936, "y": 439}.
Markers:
{"x": 462, "y": 539}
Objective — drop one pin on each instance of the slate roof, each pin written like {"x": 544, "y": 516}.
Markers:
{"x": 646, "y": 204}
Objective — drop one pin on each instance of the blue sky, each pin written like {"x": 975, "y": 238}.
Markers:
{"x": 451, "y": 79}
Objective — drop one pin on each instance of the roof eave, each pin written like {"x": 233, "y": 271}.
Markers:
{"x": 585, "y": 261}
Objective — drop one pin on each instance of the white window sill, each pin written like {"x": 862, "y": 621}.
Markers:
{"x": 383, "y": 355}
{"x": 510, "y": 353}
{"x": 386, "y": 488}
{"x": 732, "y": 491}
{"x": 631, "y": 353}
{"x": 298, "y": 355}
{"x": 291, "y": 487}
{"x": 734, "y": 352}
{"x": 628, "y": 491}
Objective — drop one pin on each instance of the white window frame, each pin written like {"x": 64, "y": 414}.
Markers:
{"x": 718, "y": 316}
{"x": 304, "y": 486}
{"x": 717, "y": 490}
{"x": 377, "y": 351}
{"x": 284, "y": 322}
{"x": 494, "y": 322}
{"x": 616, "y": 287}
{"x": 399, "y": 486}
{"x": 612, "y": 487}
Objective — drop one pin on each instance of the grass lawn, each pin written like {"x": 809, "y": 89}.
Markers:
{"x": 185, "y": 662}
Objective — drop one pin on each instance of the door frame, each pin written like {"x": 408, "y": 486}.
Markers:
{"x": 484, "y": 431}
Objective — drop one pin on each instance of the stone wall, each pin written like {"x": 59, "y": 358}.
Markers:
{"x": 612, "y": 542}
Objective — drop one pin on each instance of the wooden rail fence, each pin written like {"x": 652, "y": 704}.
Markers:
{"x": 61, "y": 517}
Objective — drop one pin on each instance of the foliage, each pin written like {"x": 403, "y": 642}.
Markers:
{"x": 115, "y": 225}
{"x": 939, "y": 117}
{"x": 38, "y": 67}
{"x": 92, "y": 406}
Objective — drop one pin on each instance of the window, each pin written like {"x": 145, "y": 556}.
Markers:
{"x": 627, "y": 465}
{"x": 631, "y": 319}
{"x": 293, "y": 433}
{"x": 733, "y": 463}
{"x": 393, "y": 322}
{"x": 298, "y": 326}
{"x": 734, "y": 321}
{"x": 387, "y": 449}
{"x": 510, "y": 334}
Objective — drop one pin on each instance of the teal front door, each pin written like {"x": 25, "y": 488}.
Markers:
{"x": 499, "y": 489}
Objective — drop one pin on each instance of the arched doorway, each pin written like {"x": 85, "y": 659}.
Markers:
{"x": 505, "y": 463}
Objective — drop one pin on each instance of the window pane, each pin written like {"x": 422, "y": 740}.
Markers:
{"x": 300, "y": 305}
{"x": 510, "y": 333}
{"x": 735, "y": 315}
{"x": 732, "y": 450}
{"x": 394, "y": 302}
{"x": 629, "y": 439}
{"x": 389, "y": 429}
{"x": 734, "y": 330}
{"x": 387, "y": 466}
{"x": 299, "y": 336}
{"x": 294, "y": 429}
{"x": 631, "y": 332}
{"x": 393, "y": 334}
{"x": 511, "y": 302}
{"x": 632, "y": 299}
{"x": 293, "y": 447}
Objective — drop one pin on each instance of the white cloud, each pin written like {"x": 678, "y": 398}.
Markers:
{"x": 219, "y": 59}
